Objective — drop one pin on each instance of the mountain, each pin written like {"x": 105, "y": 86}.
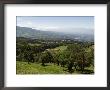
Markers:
{"x": 50, "y": 35}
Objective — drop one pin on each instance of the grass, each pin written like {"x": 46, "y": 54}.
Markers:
{"x": 58, "y": 49}
{"x": 35, "y": 68}
{"x": 62, "y": 48}
{"x": 34, "y": 44}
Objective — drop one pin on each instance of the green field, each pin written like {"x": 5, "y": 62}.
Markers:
{"x": 62, "y": 48}
{"x": 58, "y": 49}
{"x": 35, "y": 68}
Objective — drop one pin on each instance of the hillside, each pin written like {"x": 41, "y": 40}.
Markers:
{"x": 49, "y": 35}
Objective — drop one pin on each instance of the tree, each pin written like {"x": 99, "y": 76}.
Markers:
{"x": 46, "y": 57}
{"x": 62, "y": 58}
{"x": 74, "y": 54}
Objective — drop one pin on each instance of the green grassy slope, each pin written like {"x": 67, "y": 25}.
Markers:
{"x": 34, "y": 68}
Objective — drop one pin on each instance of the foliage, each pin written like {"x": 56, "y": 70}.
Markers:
{"x": 72, "y": 56}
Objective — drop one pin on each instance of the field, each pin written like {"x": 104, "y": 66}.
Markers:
{"x": 35, "y": 68}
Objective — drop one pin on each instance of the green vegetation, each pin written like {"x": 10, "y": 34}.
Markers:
{"x": 61, "y": 48}
{"x": 54, "y": 56}
{"x": 35, "y": 68}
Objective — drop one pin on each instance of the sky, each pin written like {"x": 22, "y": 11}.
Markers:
{"x": 57, "y": 23}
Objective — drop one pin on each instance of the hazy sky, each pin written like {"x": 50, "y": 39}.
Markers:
{"x": 56, "y": 23}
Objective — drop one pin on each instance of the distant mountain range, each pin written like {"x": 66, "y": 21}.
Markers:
{"x": 51, "y": 35}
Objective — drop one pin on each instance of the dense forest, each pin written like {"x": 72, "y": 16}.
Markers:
{"x": 65, "y": 56}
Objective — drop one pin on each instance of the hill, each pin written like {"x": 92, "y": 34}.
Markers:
{"x": 49, "y": 35}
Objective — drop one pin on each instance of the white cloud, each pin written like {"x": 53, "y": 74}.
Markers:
{"x": 29, "y": 23}
{"x": 45, "y": 27}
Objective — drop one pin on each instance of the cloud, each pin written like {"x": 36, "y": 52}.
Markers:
{"x": 29, "y": 23}
{"x": 45, "y": 27}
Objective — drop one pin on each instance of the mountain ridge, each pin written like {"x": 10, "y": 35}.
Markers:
{"x": 28, "y": 32}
